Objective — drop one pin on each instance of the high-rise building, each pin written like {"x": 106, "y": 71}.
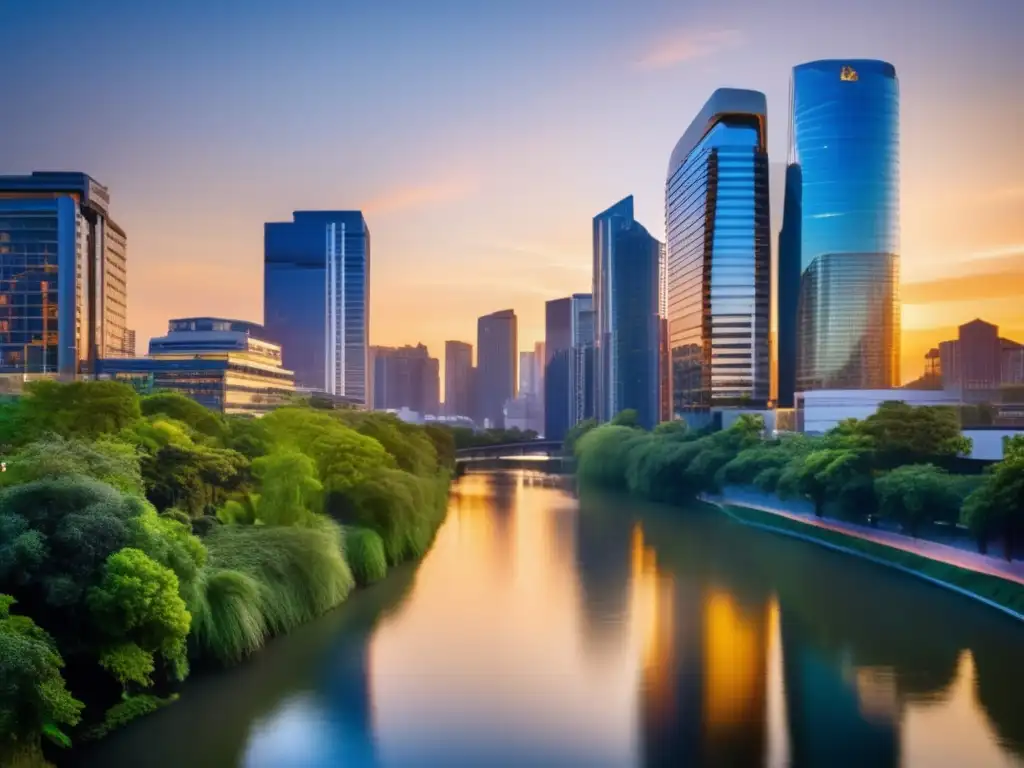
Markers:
{"x": 63, "y": 275}
{"x": 130, "y": 344}
{"x": 558, "y": 354}
{"x": 719, "y": 256}
{"x": 497, "y": 348}
{"x": 317, "y": 299}
{"x": 528, "y": 373}
{"x": 844, "y": 160}
{"x": 582, "y": 387}
{"x": 458, "y": 378}
{"x": 406, "y": 377}
{"x": 787, "y": 300}
{"x": 626, "y": 305}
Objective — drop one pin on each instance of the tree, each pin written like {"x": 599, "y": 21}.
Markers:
{"x": 444, "y": 445}
{"x": 289, "y": 487}
{"x": 627, "y": 418}
{"x": 672, "y": 429}
{"x": 137, "y": 603}
{"x": 84, "y": 409}
{"x": 53, "y": 456}
{"x": 998, "y": 505}
{"x": 576, "y": 431}
{"x": 194, "y": 478}
{"x": 603, "y": 455}
{"x": 904, "y": 434}
{"x": 821, "y": 475}
{"x": 918, "y": 494}
{"x": 34, "y": 701}
{"x": 176, "y": 406}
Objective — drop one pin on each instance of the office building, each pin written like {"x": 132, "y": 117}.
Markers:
{"x": 528, "y": 373}
{"x": 719, "y": 257}
{"x": 129, "y": 346}
{"x": 558, "y": 353}
{"x": 497, "y": 346}
{"x": 458, "y": 378}
{"x": 63, "y": 275}
{"x": 523, "y": 412}
{"x": 406, "y": 377}
{"x": 844, "y": 170}
{"x": 316, "y": 299}
{"x": 788, "y": 289}
{"x": 582, "y": 387}
{"x": 226, "y": 365}
{"x": 979, "y": 362}
{"x": 626, "y": 305}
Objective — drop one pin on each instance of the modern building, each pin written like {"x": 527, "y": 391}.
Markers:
{"x": 406, "y": 377}
{"x": 458, "y": 378}
{"x": 843, "y": 228}
{"x": 719, "y": 257}
{"x": 626, "y": 305}
{"x": 129, "y": 347}
{"x": 226, "y": 365}
{"x": 558, "y": 352}
{"x": 523, "y": 412}
{"x": 818, "y": 411}
{"x": 582, "y": 387}
{"x": 497, "y": 348}
{"x": 528, "y": 373}
{"x": 63, "y": 275}
{"x": 316, "y": 295}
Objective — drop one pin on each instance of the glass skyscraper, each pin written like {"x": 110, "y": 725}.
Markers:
{"x": 626, "y": 306}
{"x": 63, "y": 280}
{"x": 458, "y": 378}
{"x": 581, "y": 361}
{"x": 719, "y": 257}
{"x": 316, "y": 299}
{"x": 841, "y": 225}
{"x": 558, "y": 349}
{"x": 497, "y": 355}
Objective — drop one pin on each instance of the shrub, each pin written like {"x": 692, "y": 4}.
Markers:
{"x": 364, "y": 550}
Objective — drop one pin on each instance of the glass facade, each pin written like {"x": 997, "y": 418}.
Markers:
{"x": 558, "y": 349}
{"x": 316, "y": 299}
{"x": 719, "y": 257}
{"x": 844, "y": 141}
{"x": 458, "y": 378}
{"x": 497, "y": 354}
{"x": 63, "y": 283}
{"x": 581, "y": 371}
{"x": 626, "y": 310}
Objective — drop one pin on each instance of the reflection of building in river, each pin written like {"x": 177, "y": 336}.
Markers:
{"x": 834, "y": 719}
{"x": 603, "y": 568}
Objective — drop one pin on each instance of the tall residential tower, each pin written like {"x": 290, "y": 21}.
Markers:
{"x": 497, "y": 353}
{"x": 719, "y": 257}
{"x": 316, "y": 299}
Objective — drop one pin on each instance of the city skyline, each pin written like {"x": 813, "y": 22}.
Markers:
{"x": 195, "y": 163}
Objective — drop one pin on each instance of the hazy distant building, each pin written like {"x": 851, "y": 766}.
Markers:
{"x": 129, "y": 346}
{"x": 317, "y": 298}
{"x": 719, "y": 256}
{"x": 842, "y": 227}
{"x": 458, "y": 378}
{"x": 406, "y": 377}
{"x": 626, "y": 305}
{"x": 558, "y": 351}
{"x": 979, "y": 362}
{"x": 63, "y": 275}
{"x": 523, "y": 412}
{"x": 226, "y": 365}
{"x": 497, "y": 347}
{"x": 528, "y": 373}
{"x": 582, "y": 388}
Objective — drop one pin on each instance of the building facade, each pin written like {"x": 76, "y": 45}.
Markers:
{"x": 316, "y": 299}
{"x": 626, "y": 305}
{"x": 226, "y": 365}
{"x": 63, "y": 275}
{"x": 497, "y": 346}
{"x": 582, "y": 387}
{"x": 558, "y": 351}
{"x": 719, "y": 256}
{"x": 406, "y": 377}
{"x": 844, "y": 143}
{"x": 458, "y": 378}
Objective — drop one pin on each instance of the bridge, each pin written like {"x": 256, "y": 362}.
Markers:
{"x": 524, "y": 449}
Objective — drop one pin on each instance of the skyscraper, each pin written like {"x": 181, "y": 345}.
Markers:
{"x": 317, "y": 298}
{"x": 581, "y": 362}
{"x": 626, "y": 305}
{"x": 719, "y": 256}
{"x": 497, "y": 347}
{"x": 844, "y": 161}
{"x": 458, "y": 378}
{"x": 63, "y": 275}
{"x": 527, "y": 373}
{"x": 558, "y": 351}
{"x": 405, "y": 377}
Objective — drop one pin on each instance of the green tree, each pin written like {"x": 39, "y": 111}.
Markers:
{"x": 602, "y": 455}
{"x": 138, "y": 603}
{"x": 627, "y": 418}
{"x": 289, "y": 486}
{"x": 176, "y": 406}
{"x": 576, "y": 431}
{"x": 110, "y": 461}
{"x": 918, "y": 494}
{"x": 672, "y": 429}
{"x": 821, "y": 475}
{"x": 84, "y": 409}
{"x": 997, "y": 506}
{"x": 34, "y": 701}
{"x": 444, "y": 445}
{"x": 905, "y": 434}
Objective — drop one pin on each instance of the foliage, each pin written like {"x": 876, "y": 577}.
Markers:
{"x": 576, "y": 431}
{"x": 364, "y": 550}
{"x": 902, "y": 433}
{"x": 918, "y": 494}
{"x": 110, "y": 461}
{"x": 128, "y": 663}
{"x": 469, "y": 438}
{"x": 83, "y": 409}
{"x": 33, "y": 698}
{"x": 444, "y": 445}
{"x": 627, "y": 418}
{"x": 128, "y": 709}
{"x": 290, "y": 487}
{"x": 177, "y": 407}
{"x": 998, "y": 505}
{"x": 138, "y": 603}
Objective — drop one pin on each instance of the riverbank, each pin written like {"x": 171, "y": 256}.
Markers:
{"x": 1003, "y": 593}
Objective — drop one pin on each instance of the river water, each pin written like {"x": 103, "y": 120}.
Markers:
{"x": 542, "y": 631}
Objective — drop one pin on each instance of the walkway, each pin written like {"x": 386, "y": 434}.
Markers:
{"x": 970, "y": 561}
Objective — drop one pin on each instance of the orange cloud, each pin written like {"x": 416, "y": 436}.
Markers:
{"x": 418, "y": 196}
{"x": 974, "y": 287}
{"x": 688, "y": 46}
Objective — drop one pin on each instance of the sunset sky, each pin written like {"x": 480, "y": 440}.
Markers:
{"x": 480, "y": 137}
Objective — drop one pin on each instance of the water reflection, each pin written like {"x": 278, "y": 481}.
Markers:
{"x": 545, "y": 631}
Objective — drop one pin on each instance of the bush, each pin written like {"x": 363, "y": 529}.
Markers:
{"x": 125, "y": 711}
{"x": 364, "y": 550}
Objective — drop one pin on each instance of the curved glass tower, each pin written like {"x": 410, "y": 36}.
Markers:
{"x": 719, "y": 256}
{"x": 844, "y": 148}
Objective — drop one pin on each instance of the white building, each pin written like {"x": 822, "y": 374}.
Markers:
{"x": 818, "y": 411}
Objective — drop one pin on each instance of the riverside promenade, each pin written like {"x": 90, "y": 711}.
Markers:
{"x": 944, "y": 553}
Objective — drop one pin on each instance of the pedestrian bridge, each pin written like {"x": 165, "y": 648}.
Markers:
{"x": 528, "y": 449}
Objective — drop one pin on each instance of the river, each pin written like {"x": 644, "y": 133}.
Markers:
{"x": 541, "y": 631}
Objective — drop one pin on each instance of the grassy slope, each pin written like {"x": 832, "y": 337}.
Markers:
{"x": 999, "y": 591}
